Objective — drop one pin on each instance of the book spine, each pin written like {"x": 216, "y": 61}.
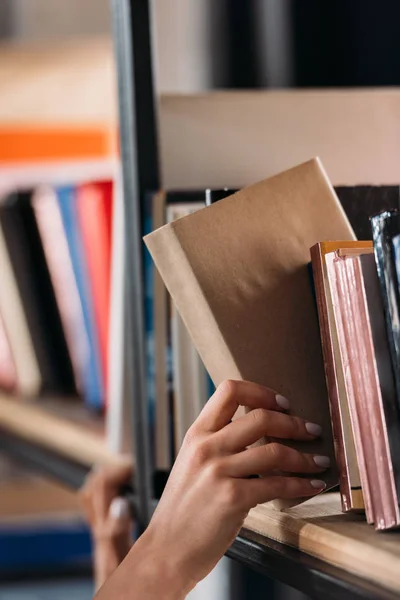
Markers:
{"x": 22, "y": 347}
{"x": 331, "y": 377}
{"x": 340, "y": 320}
{"x": 389, "y": 289}
{"x": 94, "y": 207}
{"x": 55, "y": 246}
{"x": 8, "y": 373}
{"x": 383, "y": 362}
{"x": 93, "y": 379}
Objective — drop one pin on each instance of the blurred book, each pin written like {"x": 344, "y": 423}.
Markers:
{"x": 29, "y": 379}
{"x": 94, "y": 209}
{"x": 8, "y": 373}
{"x": 31, "y": 273}
{"x": 68, "y": 206}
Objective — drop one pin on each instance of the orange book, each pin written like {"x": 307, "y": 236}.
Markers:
{"x": 94, "y": 202}
{"x": 30, "y": 143}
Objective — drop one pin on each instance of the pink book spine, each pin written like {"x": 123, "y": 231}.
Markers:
{"x": 341, "y": 317}
{"x": 364, "y": 392}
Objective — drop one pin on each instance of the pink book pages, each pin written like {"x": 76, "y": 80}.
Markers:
{"x": 56, "y": 250}
{"x": 8, "y": 373}
{"x": 363, "y": 390}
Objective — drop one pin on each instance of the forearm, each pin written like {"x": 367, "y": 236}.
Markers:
{"x": 108, "y": 555}
{"x": 146, "y": 574}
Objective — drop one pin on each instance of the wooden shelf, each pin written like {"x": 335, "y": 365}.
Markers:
{"x": 63, "y": 427}
{"x": 318, "y": 528}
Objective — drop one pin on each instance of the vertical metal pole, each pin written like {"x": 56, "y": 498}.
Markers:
{"x": 131, "y": 30}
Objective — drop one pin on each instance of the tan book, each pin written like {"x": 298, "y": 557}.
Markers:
{"x": 237, "y": 271}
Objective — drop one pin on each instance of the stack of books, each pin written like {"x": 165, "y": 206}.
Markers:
{"x": 240, "y": 275}
{"x": 55, "y": 255}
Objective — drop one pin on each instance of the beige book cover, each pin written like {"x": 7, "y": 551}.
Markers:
{"x": 238, "y": 273}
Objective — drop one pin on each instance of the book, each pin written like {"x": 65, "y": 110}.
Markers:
{"x": 361, "y": 201}
{"x": 363, "y": 390}
{"x": 8, "y": 373}
{"x": 31, "y": 273}
{"x": 237, "y": 271}
{"x": 190, "y": 379}
{"x": 94, "y": 211}
{"x": 349, "y": 476}
{"x": 21, "y": 343}
{"x": 385, "y": 227}
{"x": 118, "y": 418}
{"x": 161, "y": 355}
{"x": 55, "y": 246}
{"x": 94, "y": 382}
{"x": 382, "y": 359}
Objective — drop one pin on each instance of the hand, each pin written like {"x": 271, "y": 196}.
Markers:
{"x": 210, "y": 492}
{"x": 108, "y": 516}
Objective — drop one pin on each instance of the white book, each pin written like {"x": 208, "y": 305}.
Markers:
{"x": 118, "y": 421}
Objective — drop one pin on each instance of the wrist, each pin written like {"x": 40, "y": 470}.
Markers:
{"x": 160, "y": 568}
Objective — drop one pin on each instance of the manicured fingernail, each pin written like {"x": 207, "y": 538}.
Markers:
{"x": 282, "y": 402}
{"x": 318, "y": 484}
{"x": 322, "y": 461}
{"x": 314, "y": 429}
{"x": 119, "y": 509}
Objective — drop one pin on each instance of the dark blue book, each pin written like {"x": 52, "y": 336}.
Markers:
{"x": 385, "y": 228}
{"x": 51, "y": 544}
{"x": 92, "y": 382}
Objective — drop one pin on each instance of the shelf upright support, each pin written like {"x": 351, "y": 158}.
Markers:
{"x": 140, "y": 175}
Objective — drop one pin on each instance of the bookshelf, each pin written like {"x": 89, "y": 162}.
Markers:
{"x": 57, "y": 436}
{"x": 320, "y": 551}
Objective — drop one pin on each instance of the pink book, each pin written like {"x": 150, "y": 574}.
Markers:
{"x": 363, "y": 390}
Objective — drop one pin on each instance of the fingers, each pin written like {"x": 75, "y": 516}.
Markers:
{"x": 258, "y": 491}
{"x": 224, "y": 403}
{"x": 102, "y": 485}
{"x": 116, "y": 475}
{"x": 247, "y": 430}
{"x": 272, "y": 457}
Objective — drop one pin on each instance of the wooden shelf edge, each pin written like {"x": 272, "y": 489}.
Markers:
{"x": 319, "y": 529}
{"x": 33, "y": 424}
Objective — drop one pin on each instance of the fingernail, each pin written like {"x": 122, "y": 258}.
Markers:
{"x": 314, "y": 429}
{"x": 282, "y": 402}
{"x": 119, "y": 509}
{"x": 318, "y": 484}
{"x": 322, "y": 461}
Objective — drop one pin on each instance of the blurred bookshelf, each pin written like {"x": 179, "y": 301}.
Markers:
{"x": 58, "y": 127}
